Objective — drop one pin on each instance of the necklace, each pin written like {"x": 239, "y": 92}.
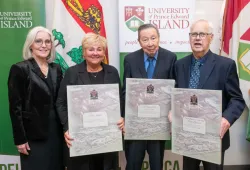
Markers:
{"x": 94, "y": 74}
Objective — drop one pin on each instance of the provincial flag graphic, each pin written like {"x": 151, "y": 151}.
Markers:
{"x": 236, "y": 44}
{"x": 236, "y": 40}
{"x": 134, "y": 17}
{"x": 244, "y": 56}
{"x": 72, "y": 20}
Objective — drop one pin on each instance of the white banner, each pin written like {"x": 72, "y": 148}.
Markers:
{"x": 172, "y": 18}
{"x": 9, "y": 162}
{"x": 171, "y": 161}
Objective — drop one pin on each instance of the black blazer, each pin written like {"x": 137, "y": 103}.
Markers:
{"x": 217, "y": 73}
{"x": 78, "y": 75}
{"x": 30, "y": 100}
{"x": 134, "y": 67}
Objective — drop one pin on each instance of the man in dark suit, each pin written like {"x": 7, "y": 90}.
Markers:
{"x": 206, "y": 70}
{"x": 151, "y": 61}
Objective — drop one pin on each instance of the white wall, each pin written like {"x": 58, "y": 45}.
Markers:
{"x": 211, "y": 11}
{"x": 110, "y": 9}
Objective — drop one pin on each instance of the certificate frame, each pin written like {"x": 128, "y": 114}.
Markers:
{"x": 148, "y": 102}
{"x": 196, "y": 120}
{"x": 93, "y": 113}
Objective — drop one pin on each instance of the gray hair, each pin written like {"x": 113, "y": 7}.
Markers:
{"x": 146, "y": 26}
{"x": 210, "y": 25}
{"x": 27, "y": 54}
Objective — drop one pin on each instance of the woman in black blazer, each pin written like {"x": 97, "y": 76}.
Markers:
{"x": 91, "y": 71}
{"x": 33, "y": 85}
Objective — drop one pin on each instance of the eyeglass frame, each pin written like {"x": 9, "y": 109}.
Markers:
{"x": 201, "y": 34}
{"x": 41, "y": 42}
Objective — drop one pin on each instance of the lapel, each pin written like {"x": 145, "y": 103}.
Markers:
{"x": 53, "y": 75}
{"x": 83, "y": 73}
{"x": 36, "y": 69}
{"x": 158, "y": 63}
{"x": 106, "y": 73}
{"x": 186, "y": 70}
{"x": 141, "y": 64}
{"x": 206, "y": 69}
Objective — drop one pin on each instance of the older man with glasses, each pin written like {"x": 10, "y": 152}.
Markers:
{"x": 205, "y": 70}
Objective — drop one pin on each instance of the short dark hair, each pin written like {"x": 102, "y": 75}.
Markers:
{"x": 146, "y": 26}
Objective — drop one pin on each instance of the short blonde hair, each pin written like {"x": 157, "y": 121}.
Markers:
{"x": 92, "y": 38}
{"x": 27, "y": 54}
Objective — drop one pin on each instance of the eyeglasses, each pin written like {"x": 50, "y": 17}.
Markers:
{"x": 201, "y": 34}
{"x": 146, "y": 40}
{"x": 40, "y": 42}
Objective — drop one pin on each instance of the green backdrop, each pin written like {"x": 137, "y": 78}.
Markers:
{"x": 12, "y": 37}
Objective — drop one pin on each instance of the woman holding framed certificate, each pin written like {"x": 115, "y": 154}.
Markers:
{"x": 91, "y": 71}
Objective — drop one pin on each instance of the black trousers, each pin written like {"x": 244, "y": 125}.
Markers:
{"x": 104, "y": 161}
{"x": 194, "y": 164}
{"x": 135, "y": 153}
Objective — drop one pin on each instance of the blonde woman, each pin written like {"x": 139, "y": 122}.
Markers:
{"x": 91, "y": 71}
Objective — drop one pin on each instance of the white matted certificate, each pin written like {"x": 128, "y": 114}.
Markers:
{"x": 196, "y": 120}
{"x": 148, "y": 102}
{"x": 93, "y": 113}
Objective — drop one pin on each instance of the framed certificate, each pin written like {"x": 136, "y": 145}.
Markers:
{"x": 148, "y": 102}
{"x": 93, "y": 113}
{"x": 196, "y": 120}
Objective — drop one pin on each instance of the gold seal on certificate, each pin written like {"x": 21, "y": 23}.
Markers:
{"x": 93, "y": 113}
{"x": 148, "y": 102}
{"x": 196, "y": 119}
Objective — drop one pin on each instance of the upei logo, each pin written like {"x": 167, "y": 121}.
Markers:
{"x": 134, "y": 17}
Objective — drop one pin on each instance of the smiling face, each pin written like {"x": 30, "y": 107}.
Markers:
{"x": 41, "y": 46}
{"x": 200, "y": 44}
{"x": 149, "y": 41}
{"x": 94, "y": 54}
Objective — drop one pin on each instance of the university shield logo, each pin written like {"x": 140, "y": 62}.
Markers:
{"x": 134, "y": 17}
{"x": 244, "y": 56}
